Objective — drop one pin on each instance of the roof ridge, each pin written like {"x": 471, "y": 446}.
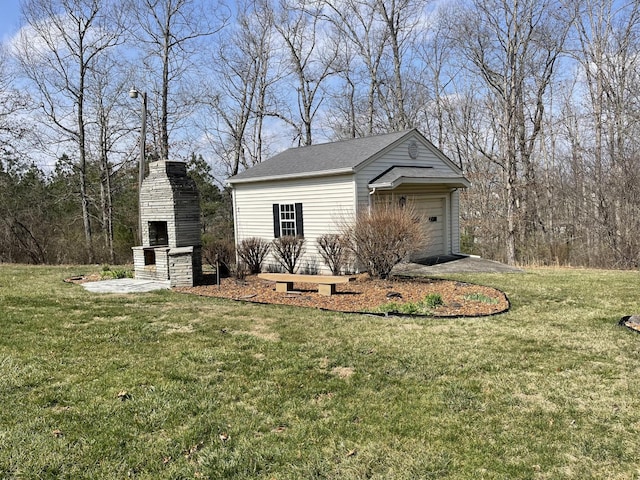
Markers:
{"x": 354, "y": 139}
{"x": 337, "y": 157}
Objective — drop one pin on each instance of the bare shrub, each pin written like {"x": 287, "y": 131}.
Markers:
{"x": 334, "y": 250}
{"x": 275, "y": 268}
{"x": 383, "y": 237}
{"x": 241, "y": 271}
{"x": 252, "y": 252}
{"x": 287, "y": 251}
{"x": 311, "y": 267}
{"x": 219, "y": 253}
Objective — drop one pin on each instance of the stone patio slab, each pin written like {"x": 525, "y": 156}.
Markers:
{"x": 126, "y": 285}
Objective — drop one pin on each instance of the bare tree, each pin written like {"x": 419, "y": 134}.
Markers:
{"x": 312, "y": 61}
{"x": 343, "y": 112}
{"x": 170, "y": 32}
{"x": 12, "y": 102}
{"x": 62, "y": 42}
{"x": 608, "y": 34}
{"x": 380, "y": 38}
{"x": 107, "y": 88}
{"x": 237, "y": 96}
{"x": 434, "y": 83}
{"x": 400, "y": 18}
{"x": 513, "y": 47}
{"x": 358, "y": 25}
{"x": 21, "y": 185}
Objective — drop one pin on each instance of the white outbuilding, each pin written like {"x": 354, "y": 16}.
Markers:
{"x": 317, "y": 189}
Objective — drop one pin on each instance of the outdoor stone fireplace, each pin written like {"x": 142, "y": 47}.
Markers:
{"x": 170, "y": 216}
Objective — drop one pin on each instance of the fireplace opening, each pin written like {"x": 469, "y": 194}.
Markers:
{"x": 149, "y": 256}
{"x": 158, "y": 234}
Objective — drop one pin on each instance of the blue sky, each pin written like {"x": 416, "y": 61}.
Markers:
{"x": 9, "y": 18}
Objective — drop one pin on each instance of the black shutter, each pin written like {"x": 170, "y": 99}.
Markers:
{"x": 299, "y": 222}
{"x": 276, "y": 220}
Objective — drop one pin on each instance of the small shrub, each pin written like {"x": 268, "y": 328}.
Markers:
{"x": 287, "y": 251}
{"x": 383, "y": 237}
{"x": 252, "y": 251}
{"x": 110, "y": 273}
{"x": 334, "y": 250}
{"x": 480, "y": 297}
{"x": 241, "y": 270}
{"x": 433, "y": 300}
{"x": 389, "y": 307}
{"x": 410, "y": 308}
{"x": 423, "y": 307}
{"x": 220, "y": 253}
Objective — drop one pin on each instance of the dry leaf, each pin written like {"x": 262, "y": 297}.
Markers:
{"x": 193, "y": 450}
{"x": 124, "y": 395}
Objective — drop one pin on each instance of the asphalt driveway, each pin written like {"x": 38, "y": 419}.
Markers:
{"x": 447, "y": 264}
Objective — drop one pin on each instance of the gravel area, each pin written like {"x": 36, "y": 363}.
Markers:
{"x": 365, "y": 295}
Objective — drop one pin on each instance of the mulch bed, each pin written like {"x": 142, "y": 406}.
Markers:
{"x": 364, "y": 295}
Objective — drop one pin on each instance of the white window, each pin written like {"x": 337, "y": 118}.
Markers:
{"x": 287, "y": 220}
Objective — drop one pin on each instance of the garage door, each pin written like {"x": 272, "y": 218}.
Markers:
{"x": 432, "y": 213}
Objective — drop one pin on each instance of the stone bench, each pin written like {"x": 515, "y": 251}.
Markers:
{"x": 326, "y": 283}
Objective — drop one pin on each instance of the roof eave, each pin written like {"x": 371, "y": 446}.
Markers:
{"x": 459, "y": 182}
{"x": 292, "y": 176}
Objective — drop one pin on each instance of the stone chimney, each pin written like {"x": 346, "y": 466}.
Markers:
{"x": 170, "y": 216}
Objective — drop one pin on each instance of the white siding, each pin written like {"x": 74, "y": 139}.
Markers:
{"x": 399, "y": 156}
{"x": 330, "y": 201}
{"x": 326, "y": 203}
{"x": 449, "y": 229}
{"x": 455, "y": 221}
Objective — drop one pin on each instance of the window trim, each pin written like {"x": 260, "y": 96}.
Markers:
{"x": 288, "y": 220}
{"x": 278, "y": 219}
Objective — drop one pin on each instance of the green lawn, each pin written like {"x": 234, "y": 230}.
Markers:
{"x": 166, "y": 385}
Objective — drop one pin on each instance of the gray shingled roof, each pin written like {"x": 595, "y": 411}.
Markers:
{"x": 339, "y": 156}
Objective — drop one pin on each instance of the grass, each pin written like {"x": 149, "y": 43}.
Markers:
{"x": 480, "y": 297}
{"x": 164, "y": 385}
{"x": 109, "y": 272}
{"x": 423, "y": 307}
